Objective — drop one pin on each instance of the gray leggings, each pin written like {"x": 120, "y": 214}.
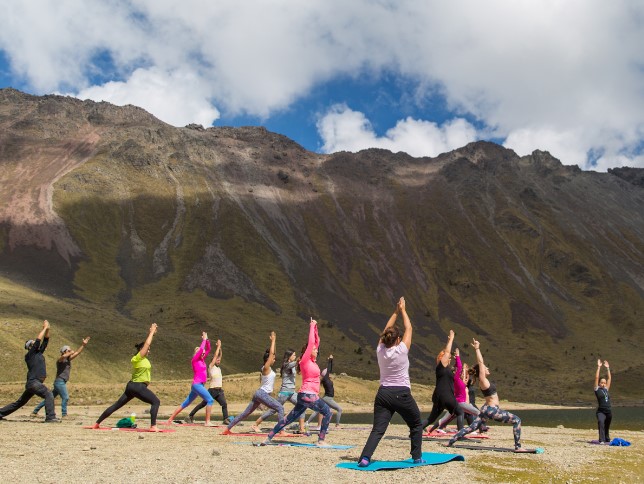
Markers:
{"x": 334, "y": 405}
{"x": 259, "y": 398}
{"x": 282, "y": 397}
{"x": 468, "y": 408}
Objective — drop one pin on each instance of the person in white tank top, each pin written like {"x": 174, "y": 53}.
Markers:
{"x": 263, "y": 394}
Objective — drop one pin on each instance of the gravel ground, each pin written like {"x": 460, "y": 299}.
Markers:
{"x": 34, "y": 452}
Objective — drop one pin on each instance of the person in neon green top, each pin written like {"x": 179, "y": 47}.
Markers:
{"x": 137, "y": 387}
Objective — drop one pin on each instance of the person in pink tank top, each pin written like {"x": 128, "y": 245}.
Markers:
{"x": 198, "y": 389}
{"x": 309, "y": 394}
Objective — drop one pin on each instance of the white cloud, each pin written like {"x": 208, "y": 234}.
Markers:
{"x": 178, "y": 98}
{"x": 566, "y": 74}
{"x": 343, "y": 129}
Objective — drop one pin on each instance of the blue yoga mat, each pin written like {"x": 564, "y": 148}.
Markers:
{"x": 298, "y": 444}
{"x": 390, "y": 465}
{"x": 302, "y": 444}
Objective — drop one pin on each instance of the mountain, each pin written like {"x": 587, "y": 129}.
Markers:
{"x": 111, "y": 219}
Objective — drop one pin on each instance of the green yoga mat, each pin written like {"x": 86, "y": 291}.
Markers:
{"x": 390, "y": 465}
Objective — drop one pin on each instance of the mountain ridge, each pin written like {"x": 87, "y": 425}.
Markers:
{"x": 130, "y": 215}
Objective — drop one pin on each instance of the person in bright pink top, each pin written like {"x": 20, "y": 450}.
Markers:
{"x": 200, "y": 371}
{"x": 309, "y": 394}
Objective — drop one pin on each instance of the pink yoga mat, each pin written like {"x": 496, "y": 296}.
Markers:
{"x": 133, "y": 430}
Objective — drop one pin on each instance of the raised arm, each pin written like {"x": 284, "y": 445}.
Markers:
{"x": 458, "y": 363}
{"x": 599, "y": 367}
{"x": 392, "y": 319}
{"x": 448, "y": 348}
{"x": 329, "y": 365}
{"x": 483, "y": 381}
{"x": 267, "y": 366}
{"x": 217, "y": 354}
{"x": 406, "y": 339}
{"x": 44, "y": 332}
{"x": 148, "y": 341}
{"x": 204, "y": 348}
{"x": 608, "y": 380}
{"x": 80, "y": 349}
{"x": 314, "y": 339}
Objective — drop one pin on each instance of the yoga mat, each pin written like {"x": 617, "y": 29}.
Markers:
{"x": 183, "y": 424}
{"x": 390, "y": 465}
{"x": 298, "y": 444}
{"x": 133, "y": 430}
{"x": 253, "y": 434}
{"x": 538, "y": 450}
{"x": 438, "y": 435}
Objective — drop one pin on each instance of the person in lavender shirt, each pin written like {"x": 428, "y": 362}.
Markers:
{"x": 394, "y": 394}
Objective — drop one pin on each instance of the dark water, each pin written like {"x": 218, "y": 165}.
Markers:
{"x": 624, "y": 418}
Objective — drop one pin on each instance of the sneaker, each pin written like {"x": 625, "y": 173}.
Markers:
{"x": 439, "y": 431}
{"x": 227, "y": 421}
{"x": 364, "y": 462}
{"x": 420, "y": 461}
{"x": 53, "y": 420}
{"x": 189, "y": 419}
{"x": 33, "y": 415}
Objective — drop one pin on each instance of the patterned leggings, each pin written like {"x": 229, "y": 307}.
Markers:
{"x": 493, "y": 413}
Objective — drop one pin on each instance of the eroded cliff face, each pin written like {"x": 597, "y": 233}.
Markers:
{"x": 126, "y": 212}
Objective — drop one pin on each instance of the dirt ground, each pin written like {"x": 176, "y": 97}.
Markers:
{"x": 31, "y": 451}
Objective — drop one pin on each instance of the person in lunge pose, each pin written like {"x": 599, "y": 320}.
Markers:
{"x": 329, "y": 392}
{"x": 604, "y": 413}
{"x": 36, "y": 374}
{"x": 287, "y": 391}
{"x": 443, "y": 396}
{"x": 308, "y": 396}
{"x": 460, "y": 393}
{"x": 199, "y": 379}
{"x": 394, "y": 394}
{"x": 491, "y": 410}
{"x": 216, "y": 389}
{"x": 263, "y": 393}
{"x": 63, "y": 370}
{"x": 137, "y": 387}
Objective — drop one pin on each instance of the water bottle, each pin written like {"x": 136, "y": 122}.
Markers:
{"x": 133, "y": 418}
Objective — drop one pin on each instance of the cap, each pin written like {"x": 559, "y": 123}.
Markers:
{"x": 64, "y": 348}
{"x": 29, "y": 343}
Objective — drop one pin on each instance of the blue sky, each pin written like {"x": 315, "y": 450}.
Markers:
{"x": 422, "y": 76}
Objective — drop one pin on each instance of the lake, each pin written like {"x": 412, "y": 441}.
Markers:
{"x": 624, "y": 418}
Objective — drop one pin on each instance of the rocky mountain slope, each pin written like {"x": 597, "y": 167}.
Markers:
{"x": 110, "y": 219}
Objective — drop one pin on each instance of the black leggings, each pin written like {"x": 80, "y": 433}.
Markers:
{"x": 398, "y": 400}
{"x": 135, "y": 390}
{"x": 604, "y": 419}
{"x": 442, "y": 402}
{"x": 218, "y": 395}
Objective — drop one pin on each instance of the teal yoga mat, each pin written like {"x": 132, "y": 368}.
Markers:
{"x": 390, "y": 465}
{"x": 302, "y": 444}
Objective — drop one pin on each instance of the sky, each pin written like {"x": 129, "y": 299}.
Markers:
{"x": 419, "y": 76}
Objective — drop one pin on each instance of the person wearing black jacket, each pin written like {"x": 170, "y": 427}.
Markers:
{"x": 36, "y": 374}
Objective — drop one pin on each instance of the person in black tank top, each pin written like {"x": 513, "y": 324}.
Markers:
{"x": 443, "y": 396}
{"x": 604, "y": 413}
{"x": 491, "y": 409}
